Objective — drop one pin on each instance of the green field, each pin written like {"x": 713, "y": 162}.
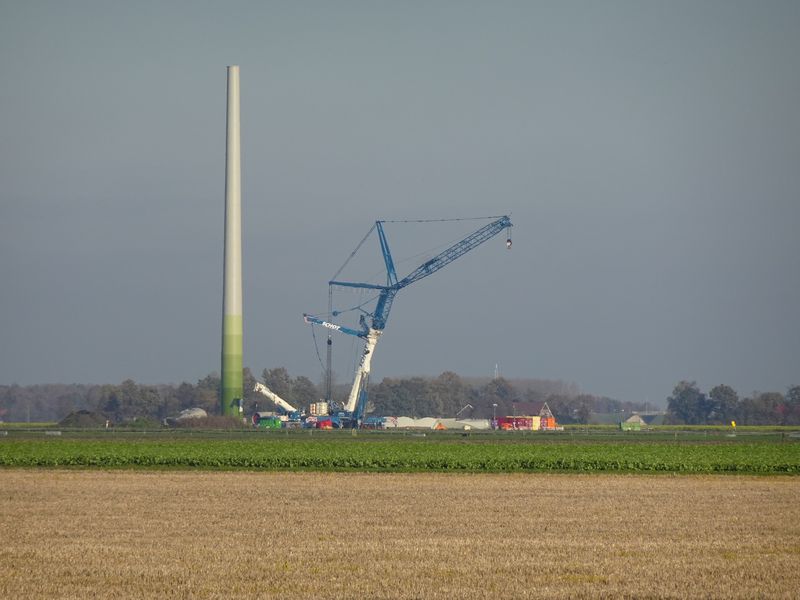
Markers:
{"x": 368, "y": 451}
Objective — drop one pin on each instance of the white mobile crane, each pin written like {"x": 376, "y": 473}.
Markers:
{"x": 290, "y": 411}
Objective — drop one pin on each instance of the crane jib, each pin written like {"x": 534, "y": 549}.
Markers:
{"x": 455, "y": 251}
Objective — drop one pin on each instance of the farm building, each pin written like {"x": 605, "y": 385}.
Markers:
{"x": 633, "y": 423}
{"x": 540, "y": 414}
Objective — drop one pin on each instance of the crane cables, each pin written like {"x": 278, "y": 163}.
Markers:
{"x": 353, "y": 253}
{"x": 316, "y": 347}
{"x": 443, "y": 220}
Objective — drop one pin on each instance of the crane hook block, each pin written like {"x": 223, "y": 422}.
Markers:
{"x": 508, "y": 243}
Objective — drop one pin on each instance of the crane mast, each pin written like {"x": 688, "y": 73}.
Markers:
{"x": 329, "y": 355}
{"x": 361, "y": 380}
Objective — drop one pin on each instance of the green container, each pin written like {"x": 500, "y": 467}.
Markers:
{"x": 269, "y": 423}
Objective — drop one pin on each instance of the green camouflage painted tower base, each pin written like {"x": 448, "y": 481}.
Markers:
{"x": 232, "y": 392}
{"x": 232, "y": 383}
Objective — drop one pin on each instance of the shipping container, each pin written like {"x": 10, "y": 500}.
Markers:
{"x": 261, "y": 415}
{"x": 266, "y": 421}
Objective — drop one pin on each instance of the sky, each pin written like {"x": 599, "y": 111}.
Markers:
{"x": 648, "y": 154}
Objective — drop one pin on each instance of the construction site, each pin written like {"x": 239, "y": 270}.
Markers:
{"x": 371, "y": 315}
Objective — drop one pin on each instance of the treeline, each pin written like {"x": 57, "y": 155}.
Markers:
{"x": 688, "y": 405}
{"x": 121, "y": 403}
{"x": 447, "y": 395}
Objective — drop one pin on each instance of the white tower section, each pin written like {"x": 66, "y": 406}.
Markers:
{"x": 232, "y": 391}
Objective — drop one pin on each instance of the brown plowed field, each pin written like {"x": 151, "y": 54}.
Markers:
{"x": 133, "y": 534}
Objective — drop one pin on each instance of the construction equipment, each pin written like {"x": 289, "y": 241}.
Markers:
{"x": 373, "y": 323}
{"x": 290, "y": 411}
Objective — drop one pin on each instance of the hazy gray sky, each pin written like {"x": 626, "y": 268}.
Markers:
{"x": 648, "y": 152}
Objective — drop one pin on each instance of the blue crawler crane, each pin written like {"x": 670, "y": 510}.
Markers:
{"x": 373, "y": 323}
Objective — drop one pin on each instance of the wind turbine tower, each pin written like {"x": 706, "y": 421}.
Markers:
{"x": 232, "y": 392}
